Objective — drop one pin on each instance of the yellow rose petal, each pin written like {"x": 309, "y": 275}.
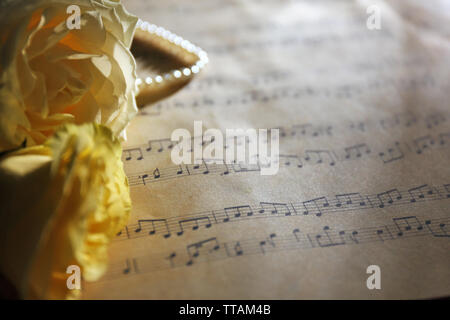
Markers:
{"x": 63, "y": 203}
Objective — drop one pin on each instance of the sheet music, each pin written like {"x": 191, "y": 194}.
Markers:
{"x": 364, "y": 175}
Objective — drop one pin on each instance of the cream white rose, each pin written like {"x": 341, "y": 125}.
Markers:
{"x": 51, "y": 74}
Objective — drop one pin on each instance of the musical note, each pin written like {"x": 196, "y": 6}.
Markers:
{"x": 393, "y": 154}
{"x": 349, "y": 198}
{"x": 127, "y": 268}
{"x": 207, "y": 140}
{"x": 227, "y": 170}
{"x": 407, "y": 224}
{"x": 208, "y": 246}
{"x": 296, "y": 232}
{"x": 328, "y": 242}
{"x": 156, "y": 173}
{"x": 180, "y": 170}
{"x": 388, "y": 195}
{"x": 159, "y": 145}
{"x": 356, "y": 151}
{"x": 381, "y": 233}
{"x": 127, "y": 234}
{"x": 320, "y": 156}
{"x": 238, "y": 249}
{"x": 419, "y": 192}
{"x": 153, "y": 229}
{"x": 130, "y": 267}
{"x": 442, "y": 232}
{"x": 283, "y": 132}
{"x": 269, "y": 240}
{"x": 129, "y": 154}
{"x": 306, "y": 129}
{"x": 194, "y": 222}
{"x": 423, "y": 143}
{"x": 447, "y": 188}
{"x": 275, "y": 208}
{"x": 202, "y": 168}
{"x": 292, "y": 160}
{"x": 238, "y": 211}
{"x": 315, "y": 206}
{"x": 143, "y": 177}
{"x": 354, "y": 236}
{"x": 171, "y": 257}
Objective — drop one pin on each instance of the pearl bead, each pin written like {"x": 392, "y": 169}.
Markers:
{"x": 177, "y": 74}
{"x": 180, "y": 42}
{"x": 195, "y": 69}
{"x": 187, "y": 72}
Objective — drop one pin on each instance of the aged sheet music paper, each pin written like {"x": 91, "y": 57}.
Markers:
{"x": 364, "y": 174}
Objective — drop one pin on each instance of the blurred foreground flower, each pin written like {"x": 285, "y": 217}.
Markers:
{"x": 61, "y": 204}
{"x": 51, "y": 74}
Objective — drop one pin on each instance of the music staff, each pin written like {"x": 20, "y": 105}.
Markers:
{"x": 279, "y": 76}
{"x": 319, "y": 206}
{"x": 273, "y": 94}
{"x": 361, "y": 151}
{"x": 308, "y": 130}
{"x": 402, "y": 227}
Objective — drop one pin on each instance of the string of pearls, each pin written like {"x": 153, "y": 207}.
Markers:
{"x": 178, "y": 74}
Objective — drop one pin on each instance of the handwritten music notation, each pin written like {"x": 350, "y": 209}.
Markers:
{"x": 319, "y": 206}
{"x": 303, "y": 130}
{"x": 212, "y": 249}
{"x": 359, "y": 151}
{"x": 341, "y": 92}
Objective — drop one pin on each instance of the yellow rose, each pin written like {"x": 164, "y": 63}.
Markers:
{"x": 61, "y": 204}
{"x": 52, "y": 73}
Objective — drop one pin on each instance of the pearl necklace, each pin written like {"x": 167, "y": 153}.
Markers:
{"x": 192, "y": 56}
